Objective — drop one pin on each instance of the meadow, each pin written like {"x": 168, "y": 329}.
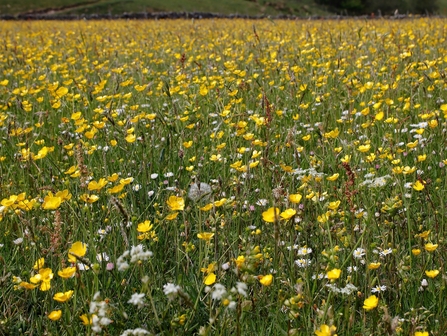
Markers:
{"x": 225, "y": 177}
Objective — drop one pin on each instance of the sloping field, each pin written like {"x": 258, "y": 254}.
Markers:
{"x": 223, "y": 177}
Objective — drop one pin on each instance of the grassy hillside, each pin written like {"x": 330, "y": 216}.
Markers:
{"x": 249, "y": 7}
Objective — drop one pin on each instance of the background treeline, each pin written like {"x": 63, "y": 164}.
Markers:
{"x": 381, "y": 6}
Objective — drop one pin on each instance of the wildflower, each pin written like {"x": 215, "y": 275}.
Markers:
{"x": 175, "y": 203}
{"x": 418, "y": 185}
{"x": 303, "y": 263}
{"x": 378, "y": 289}
{"x": 358, "y": 253}
{"x": 432, "y": 273}
{"x": 209, "y": 279}
{"x": 421, "y": 333}
{"x": 429, "y": 247}
{"x": 78, "y": 249}
{"x": 374, "y": 265}
{"x": 218, "y": 292}
{"x": 206, "y": 236}
{"x": 55, "y": 315}
{"x": 304, "y": 251}
{"x": 43, "y": 278}
{"x": 137, "y": 299}
{"x": 171, "y": 290}
{"x": 39, "y": 264}
{"x": 370, "y": 303}
{"x": 62, "y": 297}
{"x": 135, "y": 332}
{"x": 265, "y": 280}
{"x": 333, "y": 274}
{"x": 416, "y": 252}
{"x": 51, "y": 202}
{"x": 144, "y": 226}
{"x": 86, "y": 320}
{"x": 295, "y": 198}
{"x": 271, "y": 215}
{"x": 287, "y": 214}
{"x": 326, "y": 330}
{"x": 333, "y": 177}
{"x": 241, "y": 288}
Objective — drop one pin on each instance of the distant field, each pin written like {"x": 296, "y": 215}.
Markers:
{"x": 301, "y": 8}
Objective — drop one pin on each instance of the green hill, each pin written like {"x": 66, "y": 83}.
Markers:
{"x": 244, "y": 7}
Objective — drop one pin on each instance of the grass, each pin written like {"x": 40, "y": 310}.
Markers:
{"x": 226, "y": 177}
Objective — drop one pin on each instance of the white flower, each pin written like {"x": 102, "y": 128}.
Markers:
{"x": 225, "y": 266}
{"x": 304, "y": 251}
{"x": 137, "y": 299}
{"x": 386, "y": 252}
{"x": 136, "y": 332}
{"x": 232, "y": 305}
{"x": 262, "y": 202}
{"x": 241, "y": 288}
{"x": 218, "y": 292}
{"x": 303, "y": 263}
{"x": 137, "y": 253}
{"x": 169, "y": 174}
{"x": 154, "y": 176}
{"x": 171, "y": 290}
{"x": 378, "y": 289}
{"x": 102, "y": 257}
{"x": 358, "y": 253}
{"x": 18, "y": 241}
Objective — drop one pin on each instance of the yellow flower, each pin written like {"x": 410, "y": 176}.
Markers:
{"x": 326, "y": 330}
{"x": 93, "y": 185}
{"x": 86, "y": 320}
{"x": 371, "y": 303}
{"x": 374, "y": 265}
{"x": 421, "y": 333}
{"x": 39, "y": 264}
{"x": 79, "y": 249}
{"x": 265, "y": 280}
{"x": 209, "y": 279}
{"x": 432, "y": 273}
{"x": 55, "y": 315}
{"x": 364, "y": 148}
{"x": 207, "y": 207}
{"x": 67, "y": 272}
{"x": 220, "y": 202}
{"x": 51, "y": 202}
{"x": 206, "y": 236}
{"x": 62, "y": 297}
{"x": 271, "y": 215}
{"x": 429, "y": 247}
{"x": 27, "y": 285}
{"x": 145, "y": 226}
{"x": 334, "y": 205}
{"x": 287, "y": 214}
{"x": 333, "y": 274}
{"x": 176, "y": 203}
{"x": 240, "y": 261}
{"x": 416, "y": 252}
{"x": 89, "y": 198}
{"x": 43, "y": 278}
{"x": 333, "y": 177}
{"x": 295, "y": 198}
{"x": 418, "y": 185}
{"x": 172, "y": 216}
